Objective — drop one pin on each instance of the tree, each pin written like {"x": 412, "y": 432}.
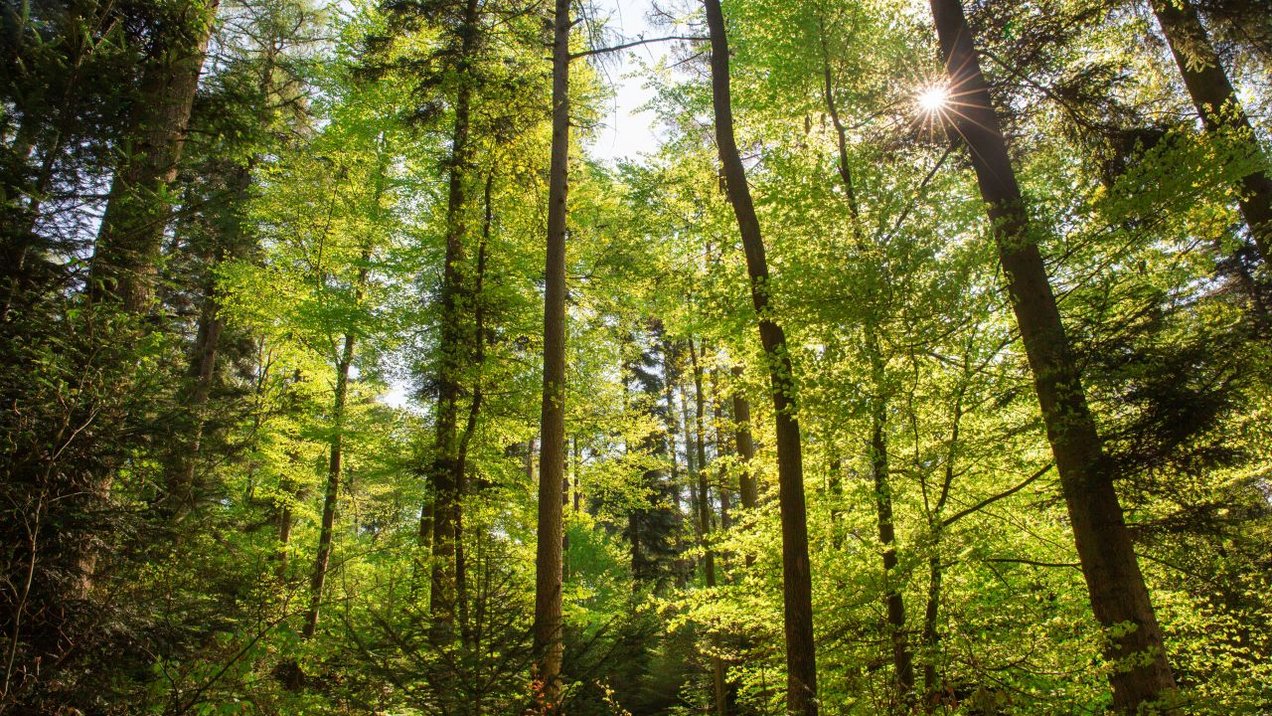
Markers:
{"x": 1219, "y": 108}
{"x": 1119, "y": 596}
{"x": 127, "y": 252}
{"x": 797, "y": 580}
{"x": 548, "y": 623}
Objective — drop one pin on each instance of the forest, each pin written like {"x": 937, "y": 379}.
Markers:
{"x": 920, "y": 366}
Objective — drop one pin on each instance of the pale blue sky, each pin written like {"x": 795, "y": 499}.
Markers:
{"x": 626, "y": 132}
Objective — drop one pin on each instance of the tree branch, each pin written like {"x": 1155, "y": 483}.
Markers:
{"x": 995, "y": 498}
{"x": 636, "y": 43}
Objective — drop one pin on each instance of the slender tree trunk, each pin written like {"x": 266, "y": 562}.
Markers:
{"x": 1119, "y": 596}
{"x": 332, "y": 492}
{"x": 577, "y": 463}
{"x": 128, "y": 243}
{"x": 565, "y": 504}
{"x": 719, "y": 688}
{"x": 1219, "y": 107}
{"x": 547, "y": 594}
{"x": 179, "y": 471}
{"x": 932, "y": 684}
{"x": 670, "y": 376}
{"x": 749, "y": 491}
{"x": 284, "y": 540}
{"x": 932, "y": 635}
{"x": 718, "y": 427}
{"x": 692, "y": 464}
{"x": 796, "y": 577}
{"x": 474, "y": 412}
{"x": 455, "y": 350}
{"x": 902, "y": 659}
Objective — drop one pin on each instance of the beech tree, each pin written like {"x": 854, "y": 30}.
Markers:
{"x": 800, "y": 647}
{"x": 1119, "y": 595}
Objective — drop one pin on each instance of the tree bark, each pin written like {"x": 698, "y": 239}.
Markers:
{"x": 1217, "y": 104}
{"x": 749, "y": 492}
{"x": 547, "y": 597}
{"x": 801, "y": 666}
{"x": 1119, "y": 597}
{"x": 457, "y": 345}
{"x": 902, "y": 659}
{"x": 128, "y": 243}
{"x": 332, "y": 492}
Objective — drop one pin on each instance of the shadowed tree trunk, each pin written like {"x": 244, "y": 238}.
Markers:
{"x": 902, "y": 659}
{"x": 932, "y": 684}
{"x": 749, "y": 492}
{"x": 1219, "y": 107}
{"x": 718, "y": 427}
{"x": 331, "y": 493}
{"x": 719, "y": 689}
{"x": 547, "y": 586}
{"x": 1119, "y": 596}
{"x": 801, "y": 668}
{"x": 180, "y": 466}
{"x": 474, "y": 411}
{"x": 670, "y": 376}
{"x": 126, "y": 258}
{"x": 457, "y": 342}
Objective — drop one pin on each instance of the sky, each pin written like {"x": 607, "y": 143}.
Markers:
{"x": 628, "y": 132}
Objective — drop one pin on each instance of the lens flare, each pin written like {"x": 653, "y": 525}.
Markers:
{"x": 933, "y": 99}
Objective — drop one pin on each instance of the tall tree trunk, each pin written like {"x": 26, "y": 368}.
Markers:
{"x": 1219, "y": 107}
{"x": 801, "y": 660}
{"x": 180, "y": 466}
{"x": 547, "y": 588}
{"x": 1119, "y": 596}
{"x": 474, "y": 412}
{"x": 331, "y": 494}
{"x": 692, "y": 462}
{"x": 281, "y": 555}
{"x": 718, "y": 428}
{"x": 131, "y": 234}
{"x": 902, "y": 659}
{"x": 577, "y": 463}
{"x": 455, "y": 349}
{"x": 932, "y": 636}
{"x": 179, "y": 472}
{"x": 932, "y": 685}
{"x": 670, "y": 376}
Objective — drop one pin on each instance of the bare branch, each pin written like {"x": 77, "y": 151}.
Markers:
{"x": 995, "y": 498}
{"x": 636, "y": 43}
